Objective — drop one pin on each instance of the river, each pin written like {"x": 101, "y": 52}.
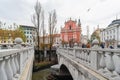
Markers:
{"x": 41, "y": 75}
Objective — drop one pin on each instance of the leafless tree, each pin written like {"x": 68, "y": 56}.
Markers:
{"x": 43, "y": 27}
{"x": 36, "y": 21}
{"x": 43, "y": 33}
{"x": 52, "y": 28}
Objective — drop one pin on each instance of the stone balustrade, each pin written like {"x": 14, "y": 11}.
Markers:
{"x": 16, "y": 63}
{"x": 103, "y": 61}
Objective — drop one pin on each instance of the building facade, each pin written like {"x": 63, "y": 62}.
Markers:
{"x": 6, "y": 36}
{"x": 84, "y": 39}
{"x": 30, "y": 33}
{"x": 111, "y": 34}
{"x": 71, "y": 32}
{"x": 96, "y": 34}
{"x": 56, "y": 39}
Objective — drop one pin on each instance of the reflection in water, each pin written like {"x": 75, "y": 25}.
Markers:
{"x": 46, "y": 75}
{"x": 41, "y": 75}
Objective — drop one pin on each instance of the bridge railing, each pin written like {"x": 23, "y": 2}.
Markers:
{"x": 104, "y": 61}
{"x": 16, "y": 63}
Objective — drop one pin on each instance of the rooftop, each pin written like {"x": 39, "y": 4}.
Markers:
{"x": 117, "y": 21}
{"x": 27, "y": 26}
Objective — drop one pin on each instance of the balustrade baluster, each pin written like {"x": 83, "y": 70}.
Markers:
{"x": 88, "y": 57}
{"x": 85, "y": 57}
{"x": 79, "y": 52}
{"x": 83, "y": 77}
{"x": 74, "y": 51}
{"x": 102, "y": 62}
{"x": 16, "y": 63}
{"x": 77, "y": 55}
{"x": 3, "y": 75}
{"x": 110, "y": 64}
{"x": 82, "y": 54}
{"x": 79, "y": 76}
{"x": 117, "y": 69}
{"x": 13, "y": 65}
{"x": 21, "y": 61}
{"x": 8, "y": 68}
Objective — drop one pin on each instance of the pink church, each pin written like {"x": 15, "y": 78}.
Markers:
{"x": 71, "y": 32}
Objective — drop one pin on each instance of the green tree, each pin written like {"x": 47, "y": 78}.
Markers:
{"x": 19, "y": 33}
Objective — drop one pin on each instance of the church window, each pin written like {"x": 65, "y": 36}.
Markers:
{"x": 70, "y": 27}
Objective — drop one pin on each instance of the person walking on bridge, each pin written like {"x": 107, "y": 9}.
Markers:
{"x": 88, "y": 45}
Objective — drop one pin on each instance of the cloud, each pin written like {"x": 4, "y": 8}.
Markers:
{"x": 100, "y": 12}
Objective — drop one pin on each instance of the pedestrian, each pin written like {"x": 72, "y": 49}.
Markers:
{"x": 88, "y": 45}
{"x": 111, "y": 47}
{"x": 102, "y": 45}
{"x": 83, "y": 45}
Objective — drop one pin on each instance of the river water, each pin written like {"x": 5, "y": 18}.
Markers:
{"x": 41, "y": 75}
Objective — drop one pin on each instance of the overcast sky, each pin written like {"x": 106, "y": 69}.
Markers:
{"x": 90, "y": 12}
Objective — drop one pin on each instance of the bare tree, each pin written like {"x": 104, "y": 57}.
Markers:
{"x": 52, "y": 29}
{"x": 36, "y": 21}
{"x": 43, "y": 33}
{"x": 42, "y": 26}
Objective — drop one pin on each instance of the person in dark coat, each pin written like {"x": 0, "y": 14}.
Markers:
{"x": 111, "y": 47}
{"x": 83, "y": 45}
{"x": 88, "y": 45}
{"x": 102, "y": 45}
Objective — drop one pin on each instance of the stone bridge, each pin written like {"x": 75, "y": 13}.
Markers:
{"x": 16, "y": 63}
{"x": 89, "y": 63}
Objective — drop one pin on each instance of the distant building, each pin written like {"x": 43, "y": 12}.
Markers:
{"x": 46, "y": 39}
{"x": 30, "y": 33}
{"x": 96, "y": 34}
{"x": 46, "y": 43}
{"x": 71, "y": 32}
{"x": 84, "y": 39}
{"x": 56, "y": 39}
{"x": 6, "y": 36}
{"x": 111, "y": 34}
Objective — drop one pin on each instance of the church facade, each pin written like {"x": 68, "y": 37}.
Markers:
{"x": 71, "y": 32}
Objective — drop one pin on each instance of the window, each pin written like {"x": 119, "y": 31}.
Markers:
{"x": 107, "y": 37}
{"x": 107, "y": 32}
{"x": 70, "y": 27}
{"x": 110, "y": 32}
{"x": 27, "y": 40}
{"x": 114, "y": 37}
{"x": 110, "y": 37}
{"x": 113, "y": 31}
{"x": 27, "y": 32}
